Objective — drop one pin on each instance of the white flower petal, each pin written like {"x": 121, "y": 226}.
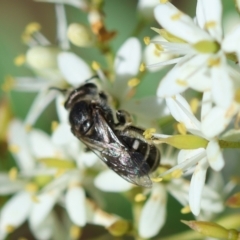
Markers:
{"x": 214, "y": 155}
{"x": 206, "y": 15}
{"x": 153, "y": 214}
{"x": 222, "y": 85}
{"x": 214, "y": 122}
{"x": 179, "y": 24}
{"x": 75, "y": 204}
{"x": 8, "y": 186}
{"x": 42, "y": 146}
{"x": 45, "y": 229}
{"x": 172, "y": 79}
{"x": 128, "y": 58}
{"x": 17, "y": 138}
{"x": 73, "y": 68}
{"x": 43, "y": 99}
{"x": 183, "y": 154}
{"x": 206, "y": 104}
{"x": 109, "y": 181}
{"x": 15, "y": 211}
{"x": 145, "y": 8}
{"x": 29, "y": 84}
{"x": 196, "y": 186}
{"x": 181, "y": 111}
{"x": 42, "y": 207}
{"x": 153, "y": 56}
{"x": 61, "y": 111}
{"x": 88, "y": 158}
{"x": 62, "y": 134}
{"x": 104, "y": 219}
{"x": 231, "y": 41}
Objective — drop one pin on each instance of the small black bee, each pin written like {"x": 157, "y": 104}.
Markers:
{"x": 120, "y": 145}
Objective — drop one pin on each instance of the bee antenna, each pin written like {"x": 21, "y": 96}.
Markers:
{"x": 58, "y": 89}
{"x": 89, "y": 79}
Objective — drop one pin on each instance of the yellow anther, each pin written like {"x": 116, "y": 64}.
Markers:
{"x": 194, "y": 103}
{"x": 146, "y": 40}
{"x": 13, "y": 148}
{"x": 210, "y": 24}
{"x": 149, "y": 132}
{"x": 22, "y": 238}
{"x": 142, "y": 67}
{"x": 10, "y": 228}
{"x": 176, "y": 16}
{"x": 28, "y": 127}
{"x": 35, "y": 199}
{"x": 164, "y": 1}
{"x": 214, "y": 62}
{"x": 31, "y": 187}
{"x": 54, "y": 125}
{"x": 177, "y": 173}
{"x": 139, "y": 197}
{"x": 12, "y": 174}
{"x": 95, "y": 66}
{"x": 75, "y": 232}
{"x": 19, "y": 60}
{"x": 159, "y": 47}
{"x": 182, "y": 82}
{"x": 8, "y": 83}
{"x": 32, "y": 27}
{"x": 237, "y": 95}
{"x": 133, "y": 82}
{"x": 181, "y": 128}
{"x": 186, "y": 210}
{"x": 156, "y": 180}
{"x": 157, "y": 53}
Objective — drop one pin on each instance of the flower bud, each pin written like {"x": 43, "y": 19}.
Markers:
{"x": 211, "y": 229}
{"x": 119, "y": 228}
{"x": 80, "y": 35}
{"x": 234, "y": 201}
{"x": 41, "y": 57}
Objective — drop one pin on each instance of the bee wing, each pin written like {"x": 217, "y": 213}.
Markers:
{"x": 130, "y": 166}
{"x": 127, "y": 163}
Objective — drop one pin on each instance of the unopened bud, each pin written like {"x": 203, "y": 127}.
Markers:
{"x": 80, "y": 35}
{"x": 234, "y": 201}
{"x": 119, "y": 228}
{"x": 40, "y": 57}
{"x": 211, "y": 229}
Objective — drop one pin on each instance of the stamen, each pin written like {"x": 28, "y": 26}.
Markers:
{"x": 32, "y": 28}
{"x": 186, "y": 209}
{"x": 214, "y": 62}
{"x": 194, "y": 104}
{"x": 12, "y": 174}
{"x": 164, "y": 1}
{"x": 54, "y": 125}
{"x": 133, "y": 82}
{"x": 35, "y": 199}
{"x": 146, "y": 40}
{"x": 19, "y": 60}
{"x": 10, "y": 228}
{"x": 148, "y": 133}
{"x": 157, "y": 180}
{"x": 139, "y": 197}
{"x": 95, "y": 66}
{"x": 182, "y": 82}
{"x": 177, "y": 173}
{"x": 75, "y": 232}
{"x": 181, "y": 128}
{"x": 31, "y": 187}
{"x": 142, "y": 67}
{"x": 13, "y": 148}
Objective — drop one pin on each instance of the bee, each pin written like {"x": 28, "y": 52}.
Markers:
{"x": 121, "y": 146}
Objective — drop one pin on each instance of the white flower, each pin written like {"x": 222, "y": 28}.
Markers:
{"x": 213, "y": 122}
{"x": 202, "y": 64}
{"x": 145, "y": 8}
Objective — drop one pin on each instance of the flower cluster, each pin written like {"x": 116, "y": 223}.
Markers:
{"x": 58, "y": 184}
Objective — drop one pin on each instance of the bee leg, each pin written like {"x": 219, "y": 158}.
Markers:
{"x": 124, "y": 118}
